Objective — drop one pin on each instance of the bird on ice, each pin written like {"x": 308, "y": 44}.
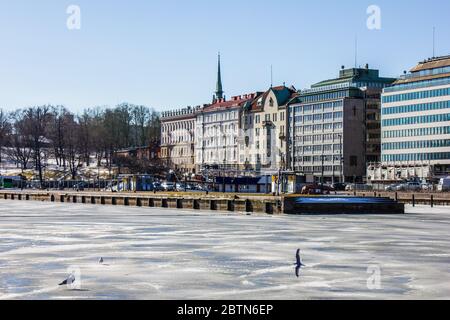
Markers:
{"x": 100, "y": 261}
{"x": 68, "y": 281}
{"x": 298, "y": 264}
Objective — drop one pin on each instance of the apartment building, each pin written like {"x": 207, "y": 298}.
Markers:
{"x": 218, "y": 134}
{"x": 178, "y": 139}
{"x": 264, "y": 124}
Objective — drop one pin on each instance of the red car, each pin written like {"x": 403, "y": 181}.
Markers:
{"x": 315, "y": 189}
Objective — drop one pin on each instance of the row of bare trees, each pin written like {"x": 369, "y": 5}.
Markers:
{"x": 28, "y": 136}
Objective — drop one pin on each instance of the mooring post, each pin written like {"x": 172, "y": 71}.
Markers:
{"x": 432, "y": 201}
{"x": 413, "y": 200}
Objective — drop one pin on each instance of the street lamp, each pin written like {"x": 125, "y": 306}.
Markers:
{"x": 341, "y": 159}
{"x": 224, "y": 153}
{"x": 323, "y": 168}
{"x": 278, "y": 181}
{"x": 98, "y": 177}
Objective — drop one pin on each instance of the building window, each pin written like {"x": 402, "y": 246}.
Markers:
{"x": 339, "y": 115}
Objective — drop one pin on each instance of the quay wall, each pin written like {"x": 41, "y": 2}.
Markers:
{"x": 216, "y": 202}
{"x": 412, "y": 198}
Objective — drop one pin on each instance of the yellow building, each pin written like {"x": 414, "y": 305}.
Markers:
{"x": 265, "y": 124}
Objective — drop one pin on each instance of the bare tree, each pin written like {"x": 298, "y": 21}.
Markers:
{"x": 5, "y": 130}
{"x": 86, "y": 141}
{"x": 140, "y": 116}
{"x": 154, "y": 128}
{"x": 73, "y": 142}
{"x": 36, "y": 121}
{"x": 59, "y": 117}
{"x": 19, "y": 145}
{"x": 36, "y": 133}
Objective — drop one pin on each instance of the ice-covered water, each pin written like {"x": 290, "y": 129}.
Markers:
{"x": 171, "y": 254}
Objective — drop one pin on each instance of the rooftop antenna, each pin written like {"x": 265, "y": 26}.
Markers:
{"x": 356, "y": 51}
{"x": 271, "y": 76}
{"x": 434, "y": 41}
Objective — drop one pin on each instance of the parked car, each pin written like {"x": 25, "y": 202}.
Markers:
{"x": 179, "y": 186}
{"x": 80, "y": 186}
{"x": 409, "y": 186}
{"x": 114, "y": 188}
{"x": 358, "y": 187}
{"x": 157, "y": 186}
{"x": 444, "y": 185}
{"x": 413, "y": 186}
{"x": 391, "y": 187}
{"x": 339, "y": 186}
{"x": 426, "y": 186}
{"x": 168, "y": 186}
{"x": 315, "y": 189}
{"x": 199, "y": 187}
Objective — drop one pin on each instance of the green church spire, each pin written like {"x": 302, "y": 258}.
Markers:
{"x": 219, "y": 89}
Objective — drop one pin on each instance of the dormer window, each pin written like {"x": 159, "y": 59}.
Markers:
{"x": 259, "y": 102}
{"x": 271, "y": 102}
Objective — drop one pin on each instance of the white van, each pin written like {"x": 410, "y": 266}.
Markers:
{"x": 444, "y": 184}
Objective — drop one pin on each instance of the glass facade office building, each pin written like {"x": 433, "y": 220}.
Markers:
{"x": 416, "y": 119}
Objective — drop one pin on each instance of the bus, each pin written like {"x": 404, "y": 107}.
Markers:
{"x": 10, "y": 182}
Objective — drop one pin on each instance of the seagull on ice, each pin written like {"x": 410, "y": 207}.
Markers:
{"x": 100, "y": 261}
{"x": 68, "y": 281}
{"x": 298, "y": 264}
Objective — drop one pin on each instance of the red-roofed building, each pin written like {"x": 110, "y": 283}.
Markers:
{"x": 218, "y": 133}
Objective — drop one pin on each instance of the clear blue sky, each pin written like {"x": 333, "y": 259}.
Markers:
{"x": 162, "y": 53}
